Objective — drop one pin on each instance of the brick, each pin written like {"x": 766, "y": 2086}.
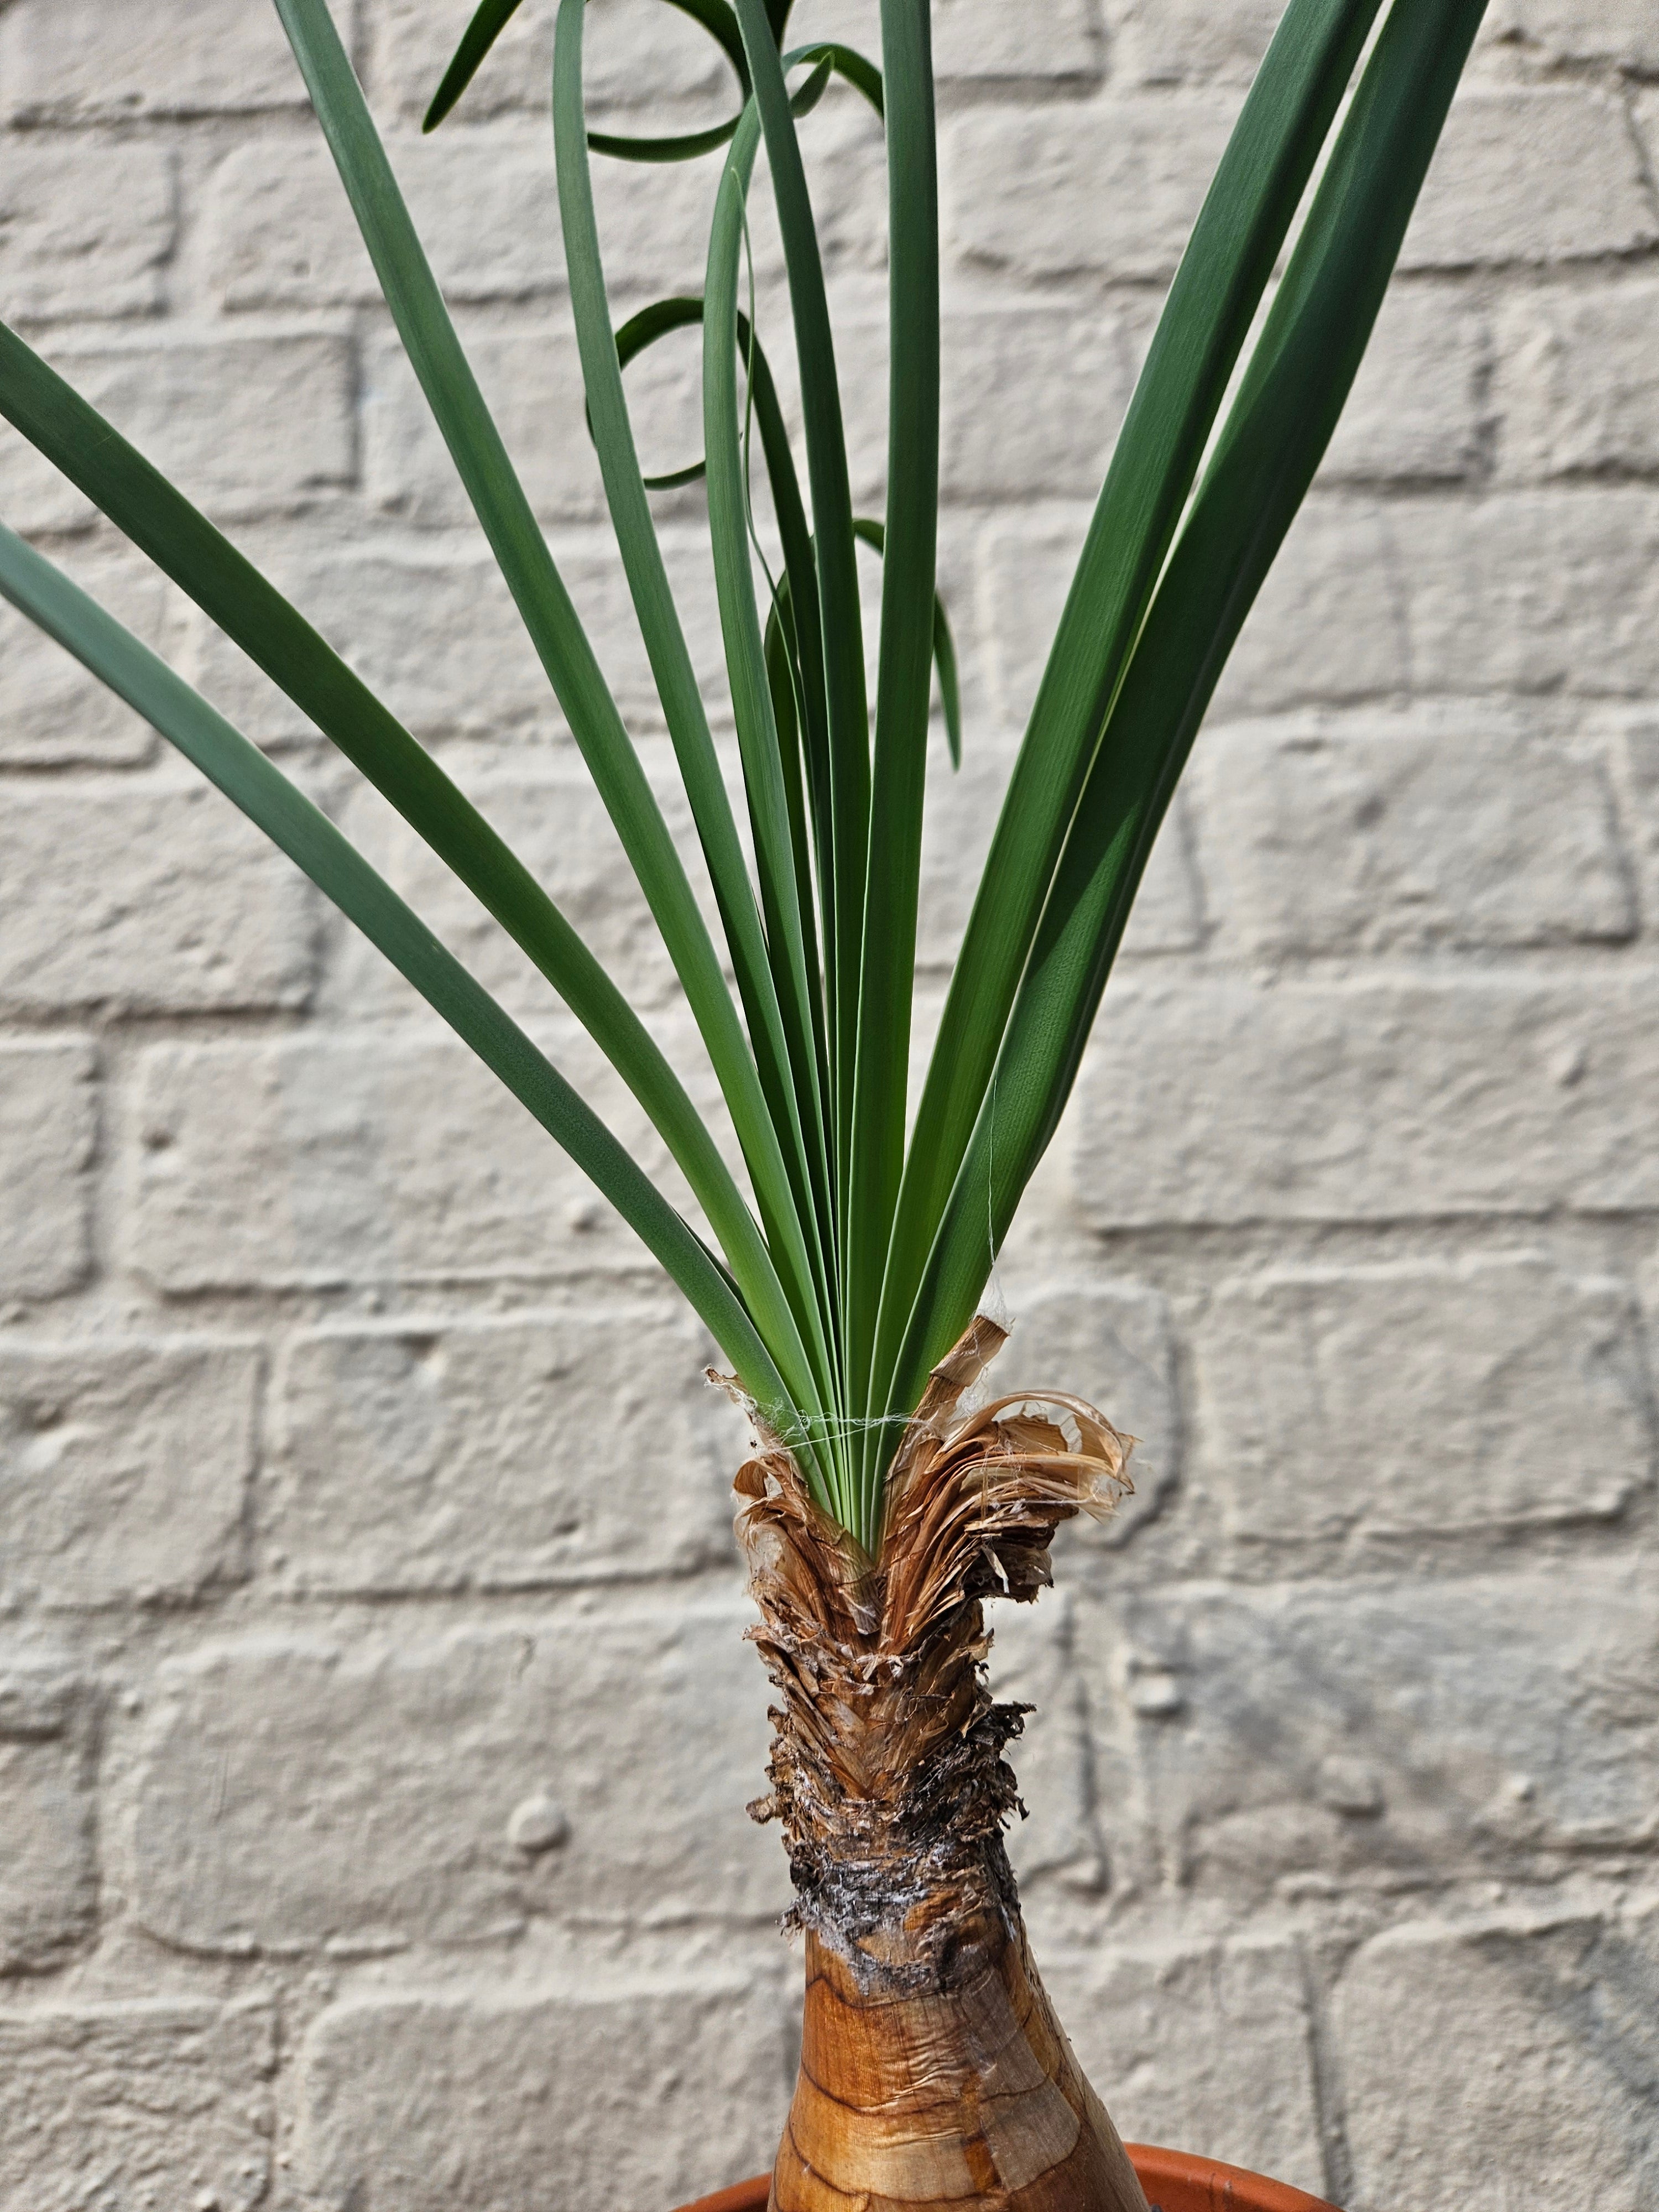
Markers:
{"x": 1032, "y": 402}
{"x": 53, "y": 713}
{"x": 1032, "y": 1663}
{"x": 558, "y": 827}
{"x": 531, "y": 380}
{"x": 1109, "y": 187}
{"x": 533, "y": 383}
{"x": 85, "y": 230}
{"x": 1415, "y": 412}
{"x": 1546, "y": 174}
{"x": 124, "y": 1468}
{"x": 147, "y": 899}
{"x": 432, "y": 629}
{"x": 1379, "y": 1737}
{"x": 1329, "y": 621}
{"x": 48, "y": 1129}
{"x": 1577, "y": 388}
{"x": 1531, "y": 591}
{"x": 975, "y": 39}
{"x": 73, "y": 61}
{"x": 165, "y": 2101}
{"x": 1205, "y": 2046}
{"x": 1187, "y": 42}
{"x": 1473, "y": 833}
{"x": 1619, "y": 31}
{"x": 1508, "y": 2061}
{"x": 430, "y": 626}
{"x": 1024, "y": 574}
{"x": 1495, "y": 1398}
{"x": 415, "y": 2099}
{"x": 363, "y": 1795}
{"x": 510, "y": 1455}
{"x": 33, "y": 498}
{"x": 282, "y": 235}
{"x": 242, "y": 426}
{"x": 1641, "y": 756}
{"x": 1113, "y": 1345}
{"x": 48, "y": 1824}
{"x": 961, "y": 812}
{"x": 385, "y": 1156}
{"x": 1377, "y": 1101}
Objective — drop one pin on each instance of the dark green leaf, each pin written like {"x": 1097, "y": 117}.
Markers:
{"x": 490, "y": 20}
{"x": 840, "y": 616}
{"x": 773, "y": 988}
{"x": 887, "y": 968}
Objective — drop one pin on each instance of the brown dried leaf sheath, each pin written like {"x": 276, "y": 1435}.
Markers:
{"x": 932, "y": 2070}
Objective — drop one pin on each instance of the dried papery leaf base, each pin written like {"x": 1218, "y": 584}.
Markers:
{"x": 932, "y": 2070}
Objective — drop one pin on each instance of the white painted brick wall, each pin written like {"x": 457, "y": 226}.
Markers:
{"x": 375, "y": 1722}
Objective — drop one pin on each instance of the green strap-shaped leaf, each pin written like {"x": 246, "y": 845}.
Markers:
{"x": 773, "y": 989}
{"x": 254, "y": 784}
{"x": 225, "y": 586}
{"x": 752, "y": 697}
{"x": 868, "y": 531}
{"x": 1287, "y": 406}
{"x": 641, "y": 332}
{"x": 716, "y": 15}
{"x": 717, "y": 19}
{"x": 490, "y": 20}
{"x": 903, "y": 683}
{"x": 1229, "y": 258}
{"x": 635, "y": 335}
{"x": 788, "y": 688}
{"x": 538, "y": 590}
{"x": 840, "y": 618}
{"x": 844, "y": 62}
{"x": 806, "y": 685}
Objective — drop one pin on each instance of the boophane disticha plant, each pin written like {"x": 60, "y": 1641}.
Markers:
{"x": 885, "y": 1500}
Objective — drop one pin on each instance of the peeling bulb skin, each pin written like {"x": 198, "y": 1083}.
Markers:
{"x": 933, "y": 2069}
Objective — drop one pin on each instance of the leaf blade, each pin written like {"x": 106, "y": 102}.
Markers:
{"x": 840, "y": 619}
{"x": 751, "y": 689}
{"x": 904, "y": 684}
{"x": 774, "y": 993}
{"x": 490, "y": 19}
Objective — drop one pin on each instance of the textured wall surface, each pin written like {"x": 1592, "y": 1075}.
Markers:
{"x": 374, "y": 1725}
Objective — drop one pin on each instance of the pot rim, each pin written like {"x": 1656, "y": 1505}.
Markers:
{"x": 1188, "y": 2182}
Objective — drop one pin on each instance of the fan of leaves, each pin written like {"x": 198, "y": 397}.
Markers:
{"x": 853, "y": 1260}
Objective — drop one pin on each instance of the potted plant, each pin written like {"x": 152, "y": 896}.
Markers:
{"x": 890, "y": 1494}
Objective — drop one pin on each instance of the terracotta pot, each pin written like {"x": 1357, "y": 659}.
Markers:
{"x": 1173, "y": 2181}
